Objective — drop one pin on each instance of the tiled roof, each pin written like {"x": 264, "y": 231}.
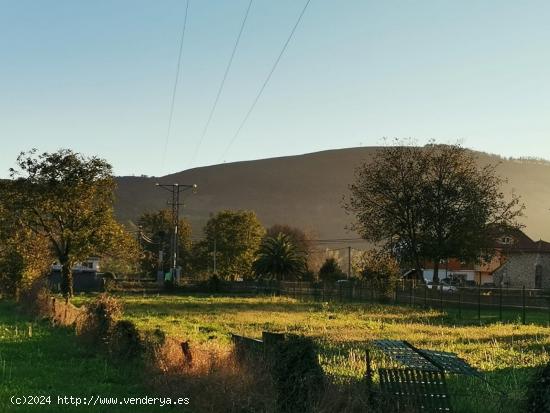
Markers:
{"x": 521, "y": 243}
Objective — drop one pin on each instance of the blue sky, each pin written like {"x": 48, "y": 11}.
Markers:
{"x": 97, "y": 76}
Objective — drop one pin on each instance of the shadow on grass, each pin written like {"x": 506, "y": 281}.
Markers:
{"x": 221, "y": 303}
{"x": 193, "y": 305}
{"x": 503, "y": 390}
{"x": 50, "y": 361}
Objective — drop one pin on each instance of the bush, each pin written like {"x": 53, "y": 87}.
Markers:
{"x": 100, "y": 318}
{"x": 125, "y": 342}
{"x": 330, "y": 271}
{"x": 35, "y": 300}
{"x": 297, "y": 375}
{"x": 107, "y": 281}
{"x": 214, "y": 283}
{"x": 308, "y": 276}
{"x": 539, "y": 397}
{"x": 381, "y": 270}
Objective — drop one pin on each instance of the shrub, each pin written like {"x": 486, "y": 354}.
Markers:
{"x": 100, "y": 318}
{"x": 297, "y": 375}
{"x": 330, "y": 271}
{"x": 539, "y": 397}
{"x": 308, "y": 275}
{"x": 35, "y": 300}
{"x": 107, "y": 281}
{"x": 214, "y": 283}
{"x": 380, "y": 269}
{"x": 125, "y": 342}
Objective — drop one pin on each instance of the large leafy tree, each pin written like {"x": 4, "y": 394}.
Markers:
{"x": 279, "y": 258}
{"x": 235, "y": 236}
{"x": 301, "y": 240}
{"x": 462, "y": 206}
{"x": 386, "y": 200}
{"x": 24, "y": 256}
{"x": 156, "y": 230}
{"x": 297, "y": 236}
{"x": 66, "y": 198}
{"x": 431, "y": 203}
{"x": 124, "y": 259}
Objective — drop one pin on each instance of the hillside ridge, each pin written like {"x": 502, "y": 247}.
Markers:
{"x": 306, "y": 190}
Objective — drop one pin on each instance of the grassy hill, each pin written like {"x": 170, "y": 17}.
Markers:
{"x": 306, "y": 190}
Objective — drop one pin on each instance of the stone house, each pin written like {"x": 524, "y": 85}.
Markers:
{"x": 526, "y": 262}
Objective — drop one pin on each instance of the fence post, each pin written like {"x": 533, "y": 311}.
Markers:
{"x": 410, "y": 293}
{"x": 413, "y": 291}
{"x": 523, "y": 305}
{"x": 440, "y": 287}
{"x": 368, "y": 373}
{"x": 500, "y": 302}
{"x": 425, "y": 295}
{"x": 459, "y": 302}
{"x": 479, "y": 302}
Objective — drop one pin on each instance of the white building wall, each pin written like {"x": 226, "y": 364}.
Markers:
{"x": 469, "y": 275}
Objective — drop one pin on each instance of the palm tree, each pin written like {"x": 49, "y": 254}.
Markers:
{"x": 279, "y": 258}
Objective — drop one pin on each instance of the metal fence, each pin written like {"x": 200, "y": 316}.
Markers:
{"x": 477, "y": 303}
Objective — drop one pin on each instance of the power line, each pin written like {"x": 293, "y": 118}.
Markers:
{"x": 265, "y": 82}
{"x": 175, "y": 88}
{"x": 321, "y": 242}
{"x": 222, "y": 84}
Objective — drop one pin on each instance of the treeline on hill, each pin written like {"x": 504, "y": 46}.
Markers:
{"x": 415, "y": 204}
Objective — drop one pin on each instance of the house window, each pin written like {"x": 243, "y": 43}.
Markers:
{"x": 506, "y": 240}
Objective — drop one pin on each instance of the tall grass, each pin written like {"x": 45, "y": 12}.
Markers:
{"x": 39, "y": 359}
{"x": 507, "y": 354}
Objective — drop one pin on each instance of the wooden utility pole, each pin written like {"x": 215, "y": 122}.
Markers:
{"x": 349, "y": 262}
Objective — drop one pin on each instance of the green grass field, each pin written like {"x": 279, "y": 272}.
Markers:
{"x": 508, "y": 354}
{"x": 50, "y": 360}
{"x": 39, "y": 360}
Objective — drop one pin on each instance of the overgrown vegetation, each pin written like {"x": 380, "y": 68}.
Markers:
{"x": 508, "y": 355}
{"x": 330, "y": 271}
{"x": 298, "y": 377}
{"x": 38, "y": 359}
{"x": 24, "y": 256}
{"x": 66, "y": 199}
{"x": 380, "y": 268}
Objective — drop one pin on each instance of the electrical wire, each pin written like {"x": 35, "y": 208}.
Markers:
{"x": 222, "y": 84}
{"x": 175, "y": 87}
{"x": 274, "y": 66}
